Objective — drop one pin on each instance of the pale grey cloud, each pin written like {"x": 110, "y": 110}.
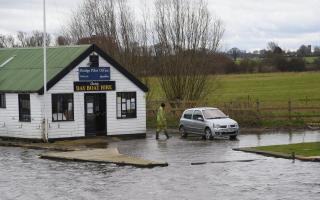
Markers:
{"x": 250, "y": 24}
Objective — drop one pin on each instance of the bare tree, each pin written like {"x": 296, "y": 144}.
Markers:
{"x": 34, "y": 39}
{"x": 186, "y": 35}
{"x": 7, "y": 41}
{"x": 174, "y": 45}
{"x": 304, "y": 50}
{"x": 62, "y": 40}
{"x": 235, "y": 53}
{"x": 110, "y": 25}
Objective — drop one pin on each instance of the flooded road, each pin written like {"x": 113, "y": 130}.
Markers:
{"x": 24, "y": 176}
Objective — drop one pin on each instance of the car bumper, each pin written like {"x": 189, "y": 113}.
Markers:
{"x": 226, "y": 131}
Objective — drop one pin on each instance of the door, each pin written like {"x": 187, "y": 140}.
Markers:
{"x": 187, "y": 120}
{"x": 198, "y": 124}
{"x": 95, "y": 114}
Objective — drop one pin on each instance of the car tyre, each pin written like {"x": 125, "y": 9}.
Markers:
{"x": 182, "y": 132}
{"x": 233, "y": 137}
{"x": 208, "y": 134}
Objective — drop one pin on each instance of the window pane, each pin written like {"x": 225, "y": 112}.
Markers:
{"x": 2, "y": 100}
{"x": 197, "y": 114}
{"x": 62, "y": 107}
{"x": 126, "y": 104}
{"x": 188, "y": 114}
{"x": 24, "y": 107}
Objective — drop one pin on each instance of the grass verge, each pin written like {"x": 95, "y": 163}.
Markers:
{"x": 300, "y": 149}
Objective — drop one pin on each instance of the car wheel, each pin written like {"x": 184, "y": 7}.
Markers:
{"x": 182, "y": 132}
{"x": 208, "y": 134}
{"x": 233, "y": 137}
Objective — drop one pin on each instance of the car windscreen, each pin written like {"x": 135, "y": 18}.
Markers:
{"x": 213, "y": 114}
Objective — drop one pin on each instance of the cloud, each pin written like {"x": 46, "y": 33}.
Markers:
{"x": 249, "y": 24}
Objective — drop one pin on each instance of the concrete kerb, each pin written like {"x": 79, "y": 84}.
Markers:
{"x": 278, "y": 155}
{"x": 82, "y": 151}
{"x": 109, "y": 155}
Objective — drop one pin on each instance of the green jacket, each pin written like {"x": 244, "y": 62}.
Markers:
{"x": 161, "y": 118}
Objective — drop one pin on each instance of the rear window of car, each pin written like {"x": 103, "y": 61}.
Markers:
{"x": 187, "y": 114}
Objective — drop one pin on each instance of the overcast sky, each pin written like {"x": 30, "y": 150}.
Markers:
{"x": 249, "y": 24}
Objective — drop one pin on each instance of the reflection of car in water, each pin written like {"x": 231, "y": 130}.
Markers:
{"x": 208, "y": 122}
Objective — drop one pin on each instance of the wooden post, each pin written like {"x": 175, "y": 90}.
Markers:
{"x": 289, "y": 108}
{"x": 258, "y": 105}
{"x": 307, "y": 100}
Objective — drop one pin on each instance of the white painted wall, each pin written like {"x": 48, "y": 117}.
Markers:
{"x": 115, "y": 126}
{"x": 9, "y": 116}
{"x": 10, "y": 126}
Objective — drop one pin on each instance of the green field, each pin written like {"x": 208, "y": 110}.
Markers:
{"x": 310, "y": 60}
{"x": 271, "y": 90}
{"x": 301, "y": 149}
{"x": 267, "y": 87}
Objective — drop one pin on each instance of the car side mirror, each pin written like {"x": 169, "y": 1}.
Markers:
{"x": 200, "y": 119}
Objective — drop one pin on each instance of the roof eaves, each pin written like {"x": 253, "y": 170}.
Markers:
{"x": 67, "y": 69}
{"x": 125, "y": 72}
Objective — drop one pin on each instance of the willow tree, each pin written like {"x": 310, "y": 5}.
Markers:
{"x": 186, "y": 35}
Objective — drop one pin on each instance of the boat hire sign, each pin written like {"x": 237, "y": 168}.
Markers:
{"x": 94, "y": 73}
{"x": 94, "y": 86}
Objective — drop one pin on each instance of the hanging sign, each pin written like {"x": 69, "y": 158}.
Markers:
{"x": 94, "y": 86}
{"x": 94, "y": 73}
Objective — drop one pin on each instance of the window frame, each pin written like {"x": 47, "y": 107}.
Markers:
{"x": 197, "y": 114}
{"x": 122, "y": 94}
{"x": 52, "y": 105}
{"x": 21, "y": 119}
{"x": 3, "y": 102}
{"x": 186, "y": 113}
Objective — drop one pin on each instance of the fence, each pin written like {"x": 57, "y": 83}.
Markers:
{"x": 249, "y": 111}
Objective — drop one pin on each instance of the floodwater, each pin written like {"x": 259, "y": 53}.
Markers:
{"x": 24, "y": 176}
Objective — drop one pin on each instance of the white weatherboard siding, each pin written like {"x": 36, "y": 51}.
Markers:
{"x": 9, "y": 116}
{"x": 115, "y": 126}
{"x": 10, "y": 126}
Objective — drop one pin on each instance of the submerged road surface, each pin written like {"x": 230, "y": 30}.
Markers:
{"x": 24, "y": 176}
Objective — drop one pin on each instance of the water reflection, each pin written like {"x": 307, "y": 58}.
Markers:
{"x": 24, "y": 176}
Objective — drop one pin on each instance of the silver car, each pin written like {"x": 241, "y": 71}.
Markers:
{"x": 208, "y": 122}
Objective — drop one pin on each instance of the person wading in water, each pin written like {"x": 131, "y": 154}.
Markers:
{"x": 161, "y": 122}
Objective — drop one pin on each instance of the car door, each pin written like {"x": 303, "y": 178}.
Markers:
{"x": 187, "y": 120}
{"x": 198, "y": 124}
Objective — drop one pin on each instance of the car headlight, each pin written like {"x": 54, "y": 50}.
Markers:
{"x": 216, "y": 126}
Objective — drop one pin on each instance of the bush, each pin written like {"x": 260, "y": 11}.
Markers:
{"x": 316, "y": 62}
{"x": 291, "y": 65}
{"x": 297, "y": 65}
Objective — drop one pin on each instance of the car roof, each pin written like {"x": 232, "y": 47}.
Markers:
{"x": 201, "y": 108}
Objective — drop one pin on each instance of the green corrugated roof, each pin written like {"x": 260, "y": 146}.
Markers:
{"x": 24, "y": 73}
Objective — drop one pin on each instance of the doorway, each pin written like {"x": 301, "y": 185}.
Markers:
{"x": 95, "y": 114}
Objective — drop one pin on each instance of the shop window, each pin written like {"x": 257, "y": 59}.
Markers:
{"x": 2, "y": 100}
{"x": 62, "y": 107}
{"x": 24, "y": 108}
{"x": 126, "y": 105}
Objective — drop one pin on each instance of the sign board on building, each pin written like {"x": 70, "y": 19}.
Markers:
{"x": 94, "y": 73}
{"x": 94, "y": 86}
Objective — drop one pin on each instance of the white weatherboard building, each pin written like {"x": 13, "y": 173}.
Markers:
{"x": 88, "y": 94}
